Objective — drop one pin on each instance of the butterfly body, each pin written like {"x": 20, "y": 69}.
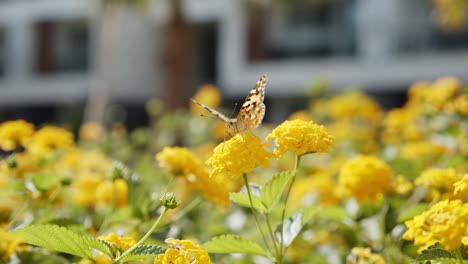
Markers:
{"x": 251, "y": 113}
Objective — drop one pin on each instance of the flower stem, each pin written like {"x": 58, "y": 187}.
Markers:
{"x": 458, "y": 253}
{"x": 246, "y": 181}
{"x": 283, "y": 214}
{"x": 128, "y": 251}
{"x": 272, "y": 235}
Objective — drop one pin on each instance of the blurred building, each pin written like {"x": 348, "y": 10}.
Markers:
{"x": 48, "y": 47}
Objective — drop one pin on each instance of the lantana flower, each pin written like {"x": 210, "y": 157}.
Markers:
{"x": 240, "y": 154}
{"x": 183, "y": 251}
{"x": 14, "y": 134}
{"x": 300, "y": 137}
{"x": 49, "y": 139}
{"x": 445, "y": 222}
{"x": 365, "y": 178}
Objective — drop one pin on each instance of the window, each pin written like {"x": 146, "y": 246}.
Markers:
{"x": 62, "y": 46}
{"x": 301, "y": 28}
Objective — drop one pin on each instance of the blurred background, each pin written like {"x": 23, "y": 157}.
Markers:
{"x": 68, "y": 61}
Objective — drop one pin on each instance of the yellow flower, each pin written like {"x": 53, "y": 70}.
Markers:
{"x": 178, "y": 160}
{"x": 240, "y": 154}
{"x": 91, "y": 131}
{"x": 402, "y": 186}
{"x": 365, "y": 178}
{"x": 84, "y": 188}
{"x": 183, "y": 162}
{"x": 402, "y": 124}
{"x": 445, "y": 222}
{"x": 49, "y": 139}
{"x": 353, "y": 105}
{"x": 439, "y": 181}
{"x": 364, "y": 256}
{"x": 119, "y": 242}
{"x": 461, "y": 188}
{"x": 8, "y": 244}
{"x": 458, "y": 105}
{"x": 116, "y": 193}
{"x": 183, "y": 252}
{"x": 208, "y": 95}
{"x": 14, "y": 134}
{"x": 300, "y": 137}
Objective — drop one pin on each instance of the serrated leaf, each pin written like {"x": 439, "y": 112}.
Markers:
{"x": 101, "y": 245}
{"x": 292, "y": 227}
{"x": 60, "y": 239}
{"x": 233, "y": 244}
{"x": 242, "y": 199}
{"x": 434, "y": 252}
{"x": 273, "y": 189}
{"x": 143, "y": 251}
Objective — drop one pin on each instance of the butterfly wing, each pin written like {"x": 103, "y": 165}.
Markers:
{"x": 211, "y": 110}
{"x": 253, "y": 108}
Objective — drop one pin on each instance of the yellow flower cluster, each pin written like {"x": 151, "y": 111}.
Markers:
{"x": 182, "y": 161}
{"x": 361, "y": 255}
{"x": 365, "y": 178}
{"x": 445, "y": 222}
{"x": 183, "y": 252}
{"x": 240, "y": 154}
{"x": 440, "y": 182}
{"x": 49, "y": 139}
{"x": 300, "y": 137}
{"x": 14, "y": 134}
{"x": 351, "y": 105}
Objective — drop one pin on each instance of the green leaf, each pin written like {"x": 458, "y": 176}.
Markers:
{"x": 404, "y": 167}
{"x": 434, "y": 252}
{"x": 61, "y": 239}
{"x": 273, "y": 189}
{"x": 233, "y": 244}
{"x": 143, "y": 251}
{"x": 292, "y": 227}
{"x": 413, "y": 211}
{"x": 242, "y": 199}
{"x": 330, "y": 213}
{"x": 44, "y": 181}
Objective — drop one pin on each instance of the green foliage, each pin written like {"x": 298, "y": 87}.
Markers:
{"x": 44, "y": 181}
{"x": 143, "y": 251}
{"x": 242, "y": 199}
{"x": 233, "y": 244}
{"x": 436, "y": 253}
{"x": 274, "y": 188}
{"x": 61, "y": 239}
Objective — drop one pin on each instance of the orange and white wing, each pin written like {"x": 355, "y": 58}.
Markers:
{"x": 253, "y": 108}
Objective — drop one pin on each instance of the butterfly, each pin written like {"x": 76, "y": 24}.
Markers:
{"x": 251, "y": 113}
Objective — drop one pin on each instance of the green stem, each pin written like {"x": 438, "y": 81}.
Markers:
{"x": 283, "y": 214}
{"x": 458, "y": 253}
{"x": 128, "y": 251}
{"x": 246, "y": 181}
{"x": 272, "y": 234}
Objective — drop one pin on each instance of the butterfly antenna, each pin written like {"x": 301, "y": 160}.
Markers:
{"x": 233, "y": 110}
